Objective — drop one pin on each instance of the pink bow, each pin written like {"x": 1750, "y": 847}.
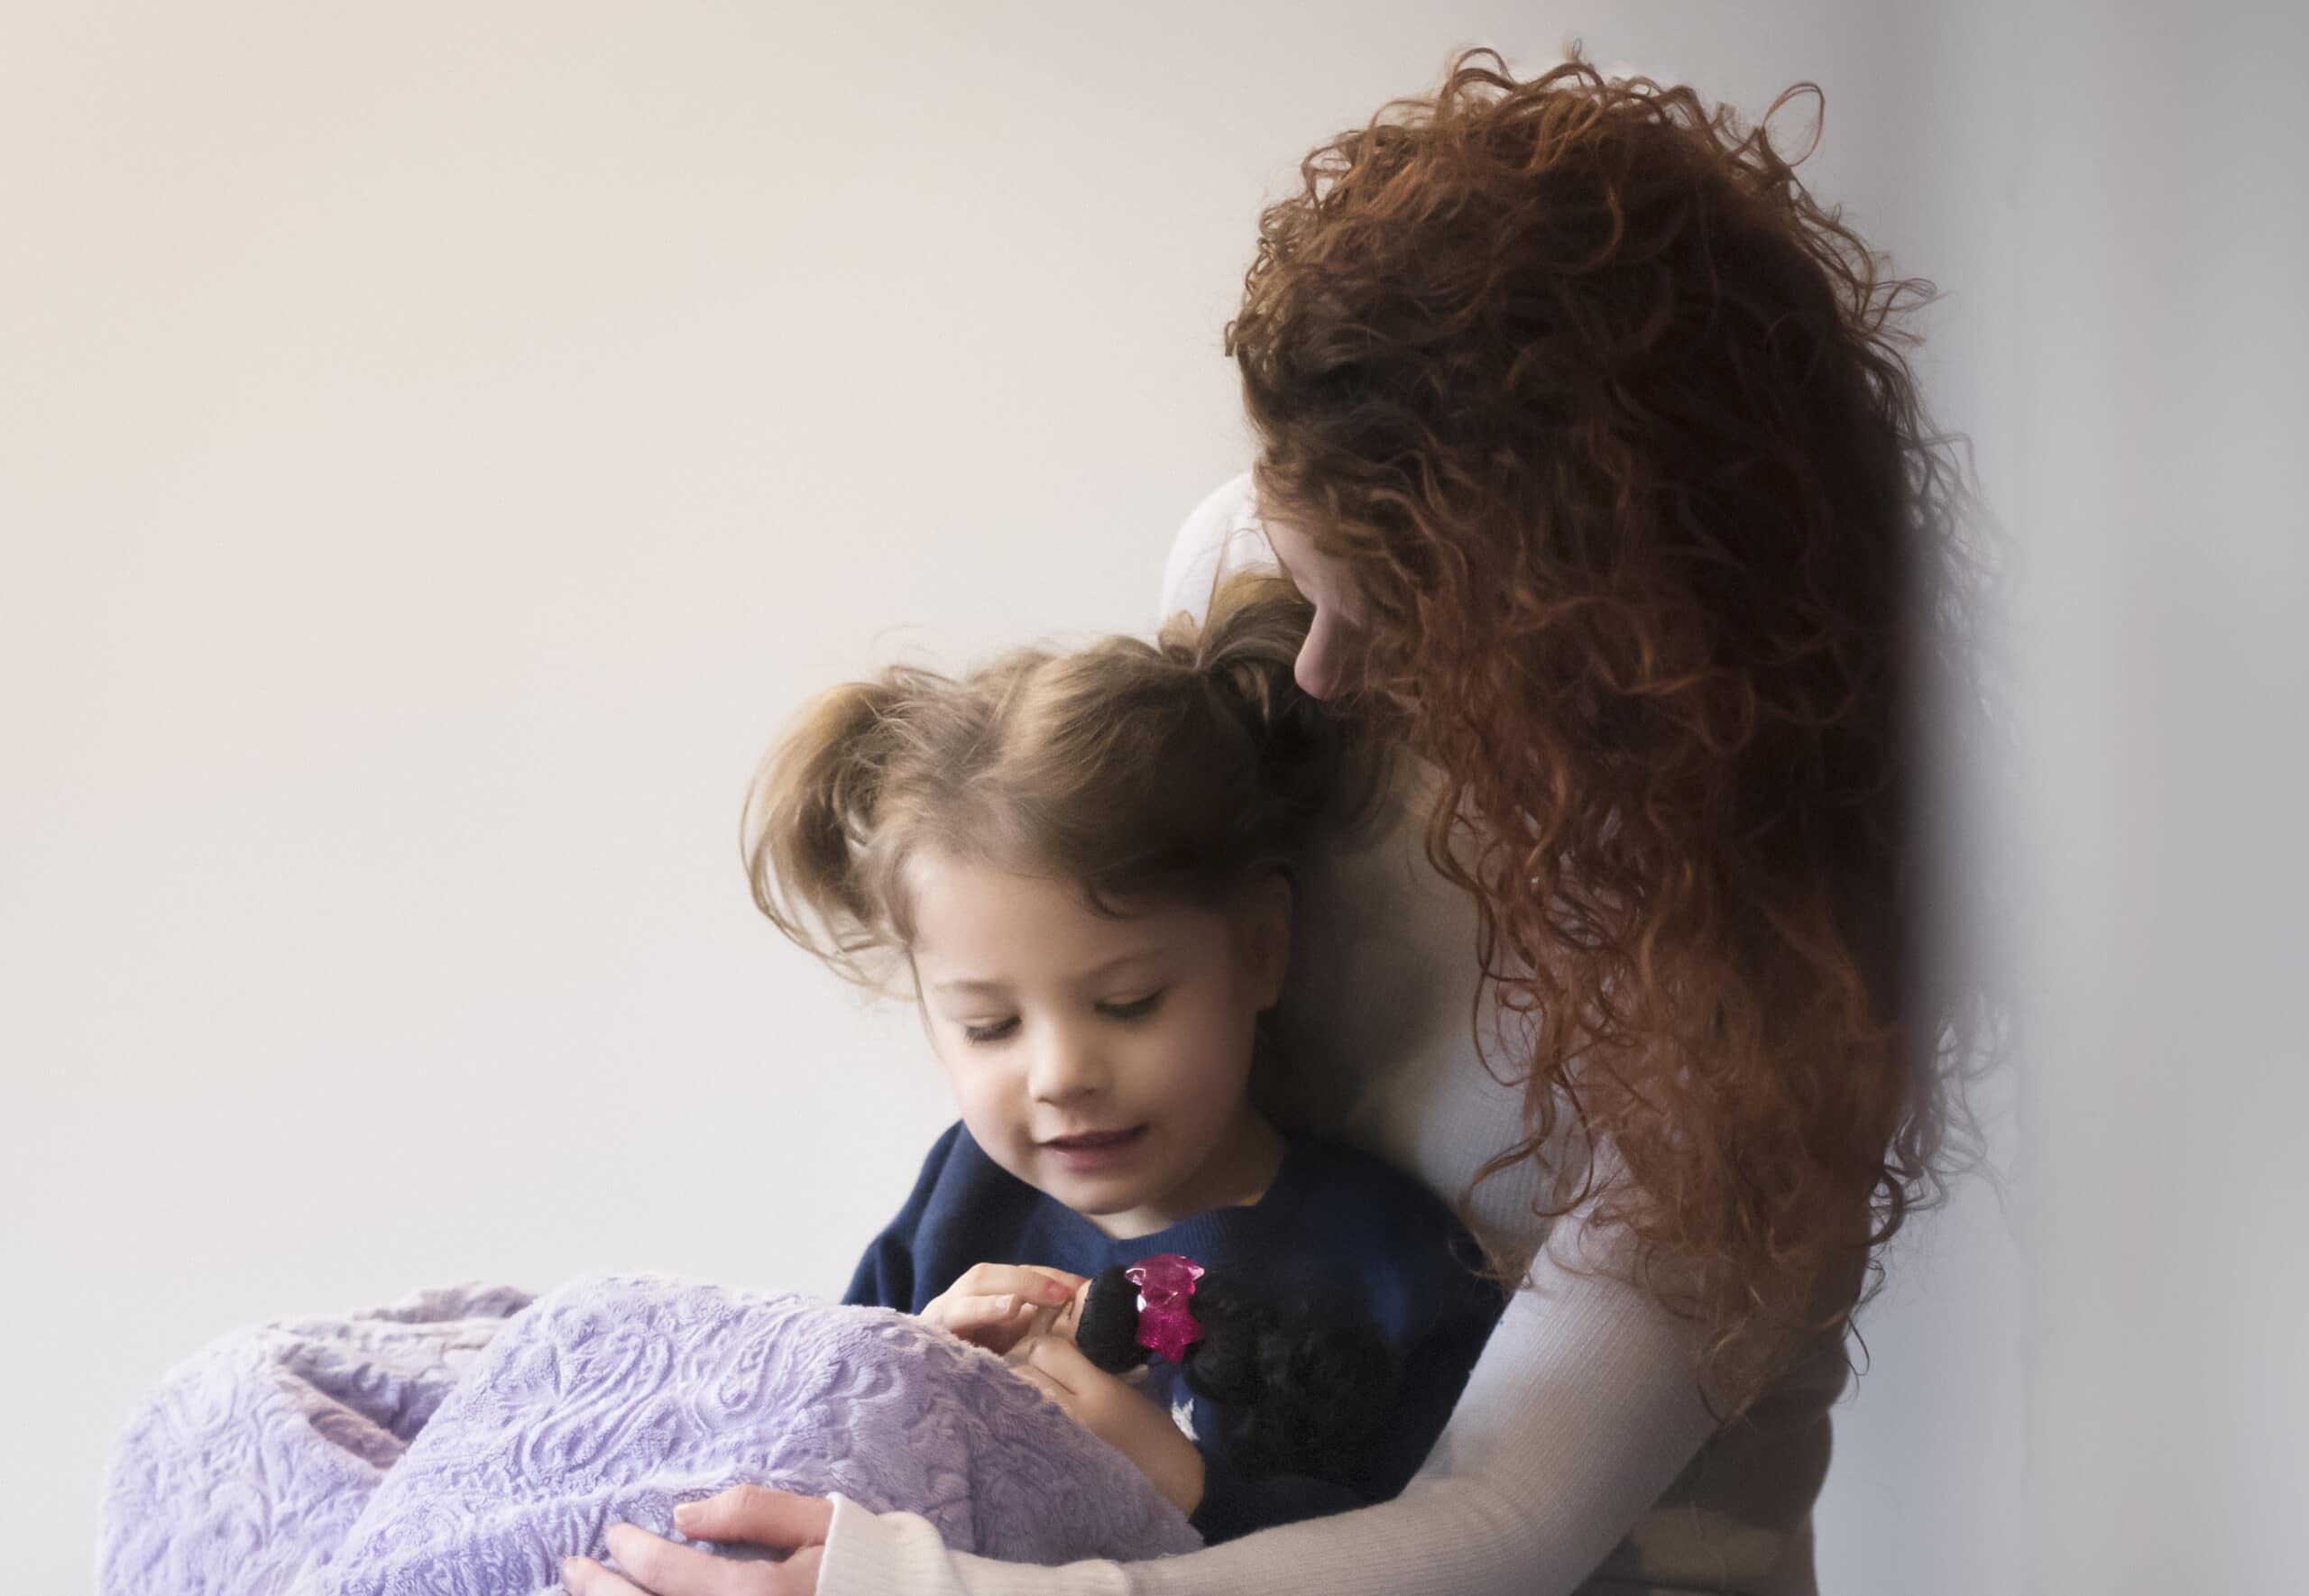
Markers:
{"x": 1165, "y": 1283}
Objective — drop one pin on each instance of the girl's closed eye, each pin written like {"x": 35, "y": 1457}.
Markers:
{"x": 985, "y": 1032}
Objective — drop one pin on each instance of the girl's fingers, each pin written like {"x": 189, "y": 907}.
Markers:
{"x": 987, "y": 1319}
{"x": 1031, "y": 1282}
{"x": 994, "y": 1304}
{"x": 758, "y": 1516}
{"x": 996, "y": 1309}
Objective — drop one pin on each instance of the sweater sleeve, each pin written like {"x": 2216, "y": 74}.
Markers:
{"x": 1581, "y": 1412}
{"x": 885, "y": 1274}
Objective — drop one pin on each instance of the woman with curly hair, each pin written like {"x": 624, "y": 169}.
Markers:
{"x": 1588, "y": 432}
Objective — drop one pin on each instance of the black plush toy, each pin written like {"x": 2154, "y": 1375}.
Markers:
{"x": 1305, "y": 1388}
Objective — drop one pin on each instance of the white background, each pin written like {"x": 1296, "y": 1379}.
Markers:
{"x": 440, "y": 444}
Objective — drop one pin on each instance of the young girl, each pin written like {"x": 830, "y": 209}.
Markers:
{"x": 1081, "y": 865}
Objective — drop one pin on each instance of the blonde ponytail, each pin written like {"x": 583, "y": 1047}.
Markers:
{"x": 1143, "y": 773}
{"x": 811, "y": 815}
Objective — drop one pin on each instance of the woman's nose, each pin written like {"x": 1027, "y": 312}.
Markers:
{"x": 1327, "y": 661}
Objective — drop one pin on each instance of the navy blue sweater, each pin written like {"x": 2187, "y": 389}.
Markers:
{"x": 1336, "y": 1226}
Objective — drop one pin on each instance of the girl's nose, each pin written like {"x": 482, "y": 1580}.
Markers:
{"x": 1066, "y": 1066}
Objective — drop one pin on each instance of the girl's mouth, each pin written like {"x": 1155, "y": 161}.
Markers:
{"x": 1095, "y": 1150}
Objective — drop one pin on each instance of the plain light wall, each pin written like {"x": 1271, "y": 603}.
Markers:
{"x": 438, "y": 447}
{"x": 2160, "y": 424}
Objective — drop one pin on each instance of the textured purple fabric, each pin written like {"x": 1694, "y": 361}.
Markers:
{"x": 463, "y": 1442}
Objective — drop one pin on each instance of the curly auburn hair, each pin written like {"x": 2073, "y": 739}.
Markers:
{"x": 1609, "y": 422}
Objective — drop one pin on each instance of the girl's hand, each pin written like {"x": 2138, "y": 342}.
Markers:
{"x": 993, "y": 1304}
{"x": 753, "y": 1515}
{"x": 1120, "y": 1414}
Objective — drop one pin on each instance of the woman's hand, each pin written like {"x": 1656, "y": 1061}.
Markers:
{"x": 751, "y": 1514}
{"x": 993, "y": 1304}
{"x": 1120, "y": 1414}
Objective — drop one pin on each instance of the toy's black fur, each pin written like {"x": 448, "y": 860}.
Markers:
{"x": 1310, "y": 1386}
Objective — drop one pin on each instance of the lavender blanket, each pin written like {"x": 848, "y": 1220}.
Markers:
{"x": 463, "y": 1442}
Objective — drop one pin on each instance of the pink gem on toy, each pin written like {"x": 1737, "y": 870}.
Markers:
{"x": 1166, "y": 1282}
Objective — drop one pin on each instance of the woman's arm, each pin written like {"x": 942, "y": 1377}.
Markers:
{"x": 1582, "y": 1411}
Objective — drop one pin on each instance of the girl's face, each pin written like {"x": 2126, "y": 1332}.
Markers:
{"x": 1330, "y": 661}
{"x": 1105, "y": 1061}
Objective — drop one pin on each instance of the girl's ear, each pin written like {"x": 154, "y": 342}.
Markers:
{"x": 1266, "y": 937}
